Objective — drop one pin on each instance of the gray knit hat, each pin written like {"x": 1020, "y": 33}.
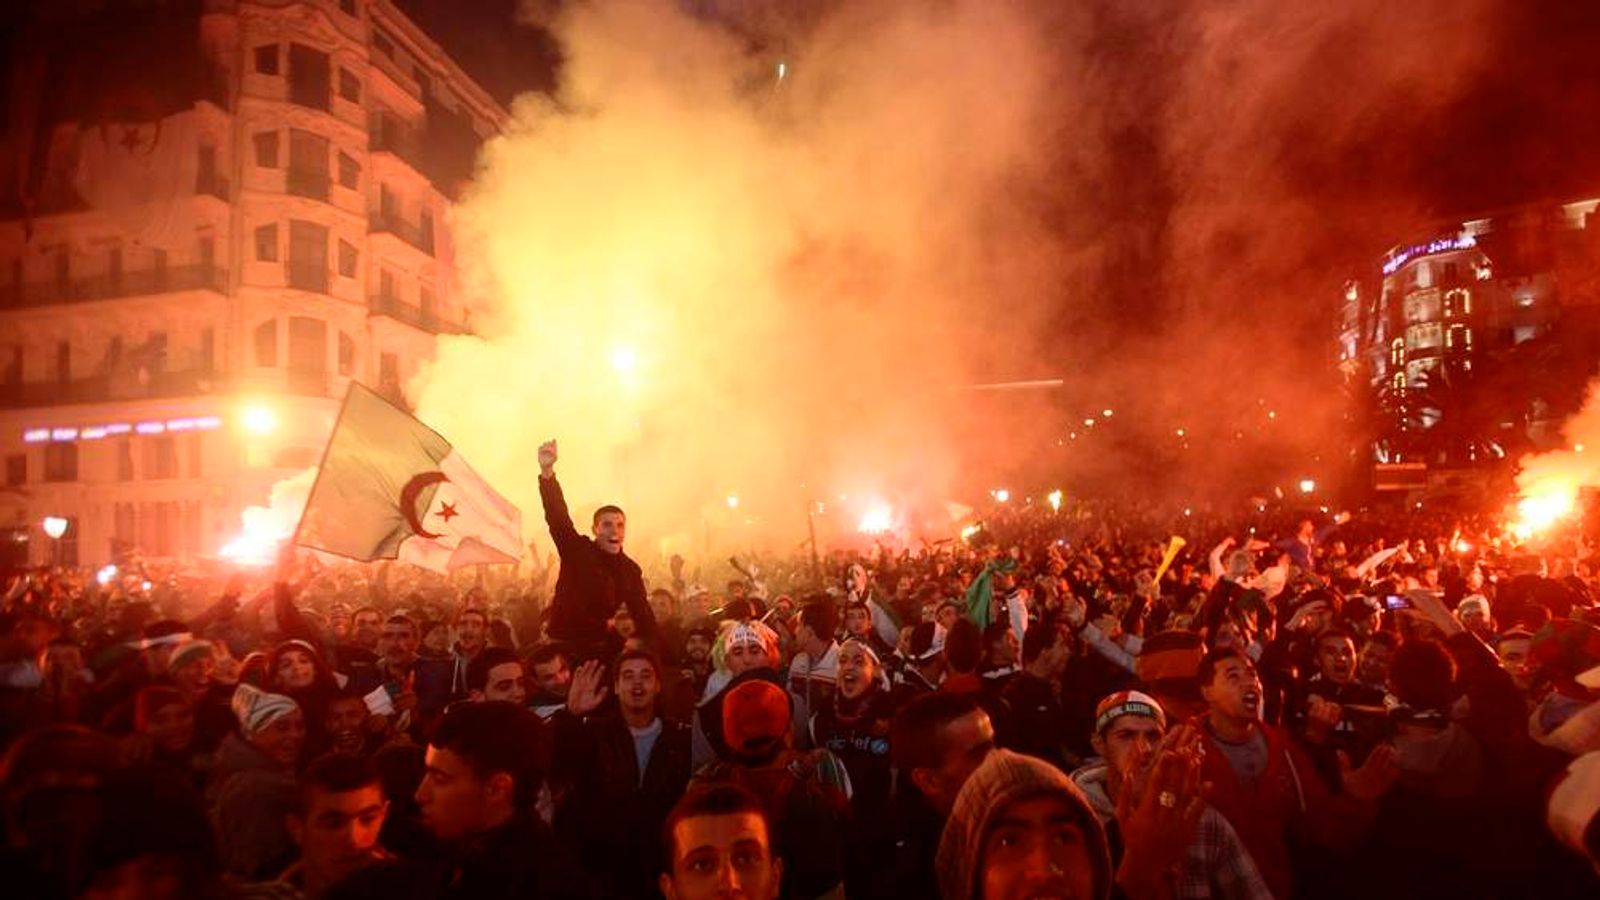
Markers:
{"x": 1003, "y": 779}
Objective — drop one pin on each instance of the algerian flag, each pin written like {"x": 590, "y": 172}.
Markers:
{"x": 390, "y": 487}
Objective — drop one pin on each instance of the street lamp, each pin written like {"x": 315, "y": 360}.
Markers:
{"x": 1307, "y": 485}
{"x": 55, "y": 527}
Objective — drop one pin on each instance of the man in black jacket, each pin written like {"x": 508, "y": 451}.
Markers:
{"x": 596, "y": 576}
{"x": 635, "y": 765}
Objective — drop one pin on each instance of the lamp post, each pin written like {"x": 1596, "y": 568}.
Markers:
{"x": 55, "y": 527}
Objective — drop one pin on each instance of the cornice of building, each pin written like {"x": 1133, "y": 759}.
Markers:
{"x": 417, "y": 41}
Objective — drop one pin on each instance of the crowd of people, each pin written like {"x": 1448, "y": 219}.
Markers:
{"x": 1065, "y": 703}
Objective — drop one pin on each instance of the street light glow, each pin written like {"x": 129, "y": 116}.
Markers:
{"x": 55, "y": 526}
{"x": 624, "y": 360}
{"x": 733, "y": 501}
{"x": 1002, "y": 495}
{"x": 258, "y": 418}
{"x": 1307, "y": 485}
{"x": 1055, "y": 499}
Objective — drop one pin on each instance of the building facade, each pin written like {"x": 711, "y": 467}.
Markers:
{"x": 224, "y": 211}
{"x": 1464, "y": 294}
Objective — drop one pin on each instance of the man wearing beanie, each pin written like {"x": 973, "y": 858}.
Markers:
{"x": 1007, "y": 836}
{"x": 252, "y": 787}
{"x": 1129, "y": 726}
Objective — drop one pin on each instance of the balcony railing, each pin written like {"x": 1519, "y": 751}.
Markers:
{"x": 308, "y": 183}
{"x": 107, "y": 388}
{"x": 415, "y": 316}
{"x": 125, "y": 284}
{"x": 380, "y": 222}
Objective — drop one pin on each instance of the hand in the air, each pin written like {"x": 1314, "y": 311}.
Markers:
{"x": 547, "y": 456}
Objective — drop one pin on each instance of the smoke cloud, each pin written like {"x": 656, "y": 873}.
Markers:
{"x": 760, "y": 256}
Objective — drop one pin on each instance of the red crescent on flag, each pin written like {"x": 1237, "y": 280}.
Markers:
{"x": 408, "y": 501}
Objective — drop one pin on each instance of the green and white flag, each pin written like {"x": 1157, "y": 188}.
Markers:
{"x": 390, "y": 487}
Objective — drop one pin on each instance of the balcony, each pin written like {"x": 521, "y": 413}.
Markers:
{"x": 308, "y": 183}
{"x": 108, "y": 388}
{"x": 109, "y": 287}
{"x": 307, "y": 276}
{"x": 389, "y": 136}
{"x": 414, "y": 316}
{"x": 379, "y": 222}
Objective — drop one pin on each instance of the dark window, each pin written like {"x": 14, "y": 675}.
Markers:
{"x": 349, "y": 171}
{"x": 349, "y": 86}
{"x": 267, "y": 59}
{"x": 388, "y": 204}
{"x": 205, "y": 180}
{"x": 347, "y": 259}
{"x": 125, "y": 459}
{"x": 267, "y": 243}
{"x": 388, "y": 287}
{"x": 63, "y": 268}
{"x": 63, "y": 362}
{"x": 61, "y": 461}
{"x": 347, "y": 354}
{"x": 427, "y": 231}
{"x": 309, "y": 77}
{"x": 308, "y": 164}
{"x": 308, "y": 255}
{"x": 16, "y": 469}
{"x": 382, "y": 44}
{"x": 348, "y": 7}
{"x": 208, "y": 349}
{"x": 208, "y": 253}
{"x": 267, "y": 344}
{"x": 160, "y": 457}
{"x": 267, "y": 149}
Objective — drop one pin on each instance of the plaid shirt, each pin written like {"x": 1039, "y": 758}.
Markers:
{"x": 1216, "y": 865}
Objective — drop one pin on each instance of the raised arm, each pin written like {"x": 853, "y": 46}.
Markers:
{"x": 555, "y": 505}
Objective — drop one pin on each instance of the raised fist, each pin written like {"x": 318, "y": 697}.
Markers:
{"x": 547, "y": 455}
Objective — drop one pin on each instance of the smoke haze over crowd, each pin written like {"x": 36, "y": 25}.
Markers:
{"x": 758, "y": 255}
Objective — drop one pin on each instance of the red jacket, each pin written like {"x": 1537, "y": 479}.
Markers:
{"x": 1289, "y": 797}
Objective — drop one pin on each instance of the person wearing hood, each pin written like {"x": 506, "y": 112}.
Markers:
{"x": 296, "y": 670}
{"x": 1021, "y": 829}
{"x": 1129, "y": 728}
{"x": 252, "y": 785}
{"x": 596, "y": 576}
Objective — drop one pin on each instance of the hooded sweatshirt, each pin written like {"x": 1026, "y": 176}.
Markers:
{"x": 1005, "y": 778}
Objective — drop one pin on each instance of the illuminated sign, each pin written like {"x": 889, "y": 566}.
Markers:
{"x": 96, "y": 432}
{"x": 1442, "y": 245}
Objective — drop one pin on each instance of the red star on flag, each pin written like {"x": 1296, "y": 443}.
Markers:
{"x": 447, "y": 511}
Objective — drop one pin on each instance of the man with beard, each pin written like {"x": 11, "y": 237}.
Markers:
{"x": 635, "y": 766}
{"x": 1265, "y": 785}
{"x": 472, "y": 629}
{"x": 596, "y": 576}
{"x": 688, "y": 684}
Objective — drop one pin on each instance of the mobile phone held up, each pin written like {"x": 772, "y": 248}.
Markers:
{"x": 1396, "y": 601}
